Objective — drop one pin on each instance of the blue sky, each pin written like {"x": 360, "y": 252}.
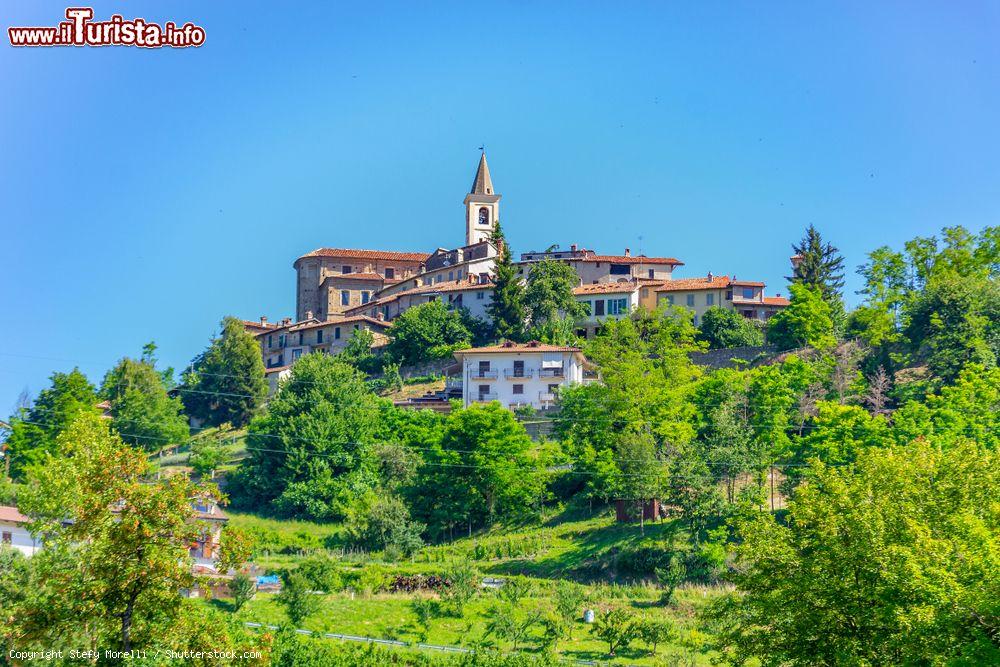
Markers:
{"x": 144, "y": 194}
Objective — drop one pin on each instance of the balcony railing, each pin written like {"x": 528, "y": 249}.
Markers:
{"x": 518, "y": 374}
{"x": 546, "y": 397}
{"x": 552, "y": 372}
{"x": 479, "y": 374}
{"x": 484, "y": 398}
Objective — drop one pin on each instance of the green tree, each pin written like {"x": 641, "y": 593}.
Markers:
{"x": 506, "y": 310}
{"x": 463, "y": 584}
{"x": 428, "y": 331}
{"x": 141, "y": 410}
{"x": 226, "y": 382}
{"x": 34, "y": 431}
{"x": 807, "y": 321}
{"x": 482, "y": 470}
{"x": 654, "y": 632}
{"x": 116, "y": 543}
{"x": 548, "y": 296}
{"x": 358, "y": 352}
{"x": 208, "y": 452}
{"x": 297, "y": 597}
{"x": 382, "y": 521}
{"x": 618, "y": 628}
{"x": 569, "y": 598}
{"x": 639, "y": 476}
{"x": 311, "y": 453}
{"x": 891, "y": 561}
{"x": 724, "y": 328}
{"x": 243, "y": 588}
{"x": 820, "y": 267}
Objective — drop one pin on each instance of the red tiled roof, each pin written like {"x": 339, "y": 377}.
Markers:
{"x": 337, "y": 321}
{"x": 367, "y": 254}
{"x": 533, "y": 346}
{"x": 359, "y": 276}
{"x": 10, "y": 514}
{"x": 606, "y": 288}
{"x": 630, "y": 259}
{"x": 682, "y": 284}
{"x": 445, "y": 286}
{"x": 257, "y": 325}
{"x": 776, "y": 301}
{"x": 275, "y": 369}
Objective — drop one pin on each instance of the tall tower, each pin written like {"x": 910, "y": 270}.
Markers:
{"x": 482, "y": 206}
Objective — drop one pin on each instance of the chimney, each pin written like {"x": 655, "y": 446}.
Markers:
{"x": 710, "y": 276}
{"x": 263, "y": 320}
{"x": 628, "y": 253}
{"x": 309, "y": 314}
{"x": 286, "y": 321}
{"x": 572, "y": 247}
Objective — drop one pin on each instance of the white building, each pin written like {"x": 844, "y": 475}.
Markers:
{"x": 14, "y": 531}
{"x": 605, "y": 301}
{"x": 519, "y": 374}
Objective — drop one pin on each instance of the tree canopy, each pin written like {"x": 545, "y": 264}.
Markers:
{"x": 506, "y": 309}
{"x": 428, "y": 331}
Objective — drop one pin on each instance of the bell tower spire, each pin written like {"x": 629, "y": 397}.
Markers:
{"x": 482, "y": 205}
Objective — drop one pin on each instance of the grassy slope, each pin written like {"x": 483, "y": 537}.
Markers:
{"x": 581, "y": 548}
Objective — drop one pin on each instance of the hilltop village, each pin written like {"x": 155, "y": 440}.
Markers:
{"x": 339, "y": 291}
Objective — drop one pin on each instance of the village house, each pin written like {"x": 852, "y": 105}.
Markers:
{"x": 205, "y": 550}
{"x": 593, "y": 268}
{"x": 605, "y": 301}
{"x": 699, "y": 294}
{"x": 519, "y": 374}
{"x": 14, "y": 531}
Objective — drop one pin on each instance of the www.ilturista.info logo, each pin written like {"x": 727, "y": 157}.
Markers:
{"x": 80, "y": 30}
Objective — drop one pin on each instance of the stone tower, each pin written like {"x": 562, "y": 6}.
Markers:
{"x": 482, "y": 206}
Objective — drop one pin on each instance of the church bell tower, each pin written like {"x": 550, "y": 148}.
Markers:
{"x": 482, "y": 206}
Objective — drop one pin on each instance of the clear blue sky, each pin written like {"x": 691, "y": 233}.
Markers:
{"x": 144, "y": 194}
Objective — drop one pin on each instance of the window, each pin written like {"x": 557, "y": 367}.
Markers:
{"x": 518, "y": 369}
{"x": 458, "y": 274}
{"x": 599, "y": 308}
{"x": 484, "y": 368}
{"x": 345, "y": 269}
{"x": 366, "y": 297}
{"x": 670, "y": 299}
{"x": 484, "y": 389}
{"x": 553, "y": 388}
{"x": 620, "y": 270}
{"x": 301, "y": 337}
{"x": 747, "y": 292}
{"x": 7, "y": 537}
{"x": 484, "y": 216}
{"x": 319, "y": 337}
{"x": 270, "y": 340}
{"x": 729, "y": 295}
{"x": 652, "y": 273}
{"x": 480, "y": 295}
{"x": 281, "y": 340}
{"x": 709, "y": 299}
{"x": 336, "y": 333}
{"x": 617, "y": 306}
{"x": 451, "y": 276}
{"x": 518, "y": 388}
{"x": 357, "y": 326}
{"x": 345, "y": 298}
{"x": 438, "y": 278}
{"x": 690, "y": 299}
{"x": 296, "y": 353}
{"x": 390, "y": 273}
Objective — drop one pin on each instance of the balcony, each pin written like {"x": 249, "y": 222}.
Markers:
{"x": 552, "y": 372}
{"x": 518, "y": 374}
{"x": 480, "y": 374}
{"x": 546, "y": 397}
{"x": 483, "y": 398}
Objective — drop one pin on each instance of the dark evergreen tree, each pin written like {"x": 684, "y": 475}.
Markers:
{"x": 507, "y": 308}
{"x": 819, "y": 266}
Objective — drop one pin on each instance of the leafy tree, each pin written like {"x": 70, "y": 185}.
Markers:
{"x": 669, "y": 577}
{"x": 382, "y": 521}
{"x": 321, "y": 572}
{"x": 141, "y": 411}
{"x": 618, "y": 628}
{"x": 820, "y": 267}
{"x": 311, "y": 453}
{"x": 724, "y": 328}
{"x": 297, "y": 597}
{"x": 226, "y": 382}
{"x": 806, "y": 321}
{"x": 243, "y": 589}
{"x": 569, "y": 597}
{"x": 208, "y": 452}
{"x": 481, "y": 470}
{"x": 506, "y": 310}
{"x": 463, "y": 584}
{"x": 428, "y": 331}
{"x": 116, "y": 551}
{"x": 890, "y": 561}
{"x": 655, "y": 632}
{"x": 509, "y": 623}
{"x": 639, "y": 475}
{"x": 549, "y": 294}
{"x": 358, "y": 352}
{"x": 34, "y": 431}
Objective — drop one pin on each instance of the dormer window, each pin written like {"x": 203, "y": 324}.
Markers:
{"x": 484, "y": 216}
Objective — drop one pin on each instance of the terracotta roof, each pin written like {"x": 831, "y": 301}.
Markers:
{"x": 11, "y": 515}
{"x": 445, "y": 286}
{"x": 776, "y": 301}
{"x": 606, "y": 288}
{"x": 361, "y": 275}
{"x": 213, "y": 514}
{"x": 249, "y": 324}
{"x": 682, "y": 284}
{"x": 337, "y": 321}
{"x": 746, "y": 283}
{"x": 533, "y": 346}
{"x": 630, "y": 259}
{"x": 367, "y": 254}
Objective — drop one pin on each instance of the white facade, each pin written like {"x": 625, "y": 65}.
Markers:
{"x": 605, "y": 301}
{"x": 14, "y": 531}
{"x": 517, "y": 375}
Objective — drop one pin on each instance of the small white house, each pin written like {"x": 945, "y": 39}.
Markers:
{"x": 14, "y": 531}
{"x": 605, "y": 301}
{"x": 519, "y": 374}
